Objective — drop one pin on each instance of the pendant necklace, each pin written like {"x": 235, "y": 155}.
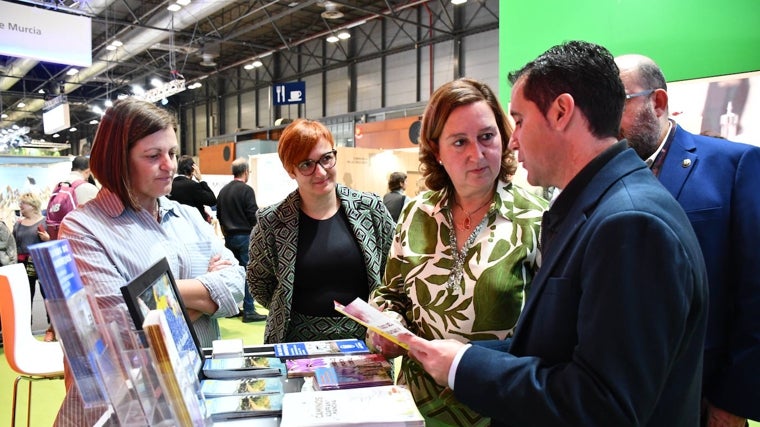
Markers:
{"x": 467, "y": 223}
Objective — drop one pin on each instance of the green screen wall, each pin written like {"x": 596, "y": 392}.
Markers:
{"x": 687, "y": 38}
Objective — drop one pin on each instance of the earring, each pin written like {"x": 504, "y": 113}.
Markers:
{"x": 440, "y": 162}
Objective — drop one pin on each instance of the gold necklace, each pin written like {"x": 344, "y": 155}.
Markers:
{"x": 467, "y": 223}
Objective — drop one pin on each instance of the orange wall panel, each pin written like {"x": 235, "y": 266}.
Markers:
{"x": 217, "y": 158}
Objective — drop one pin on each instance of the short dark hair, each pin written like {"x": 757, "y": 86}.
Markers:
{"x": 185, "y": 165}
{"x": 80, "y": 163}
{"x": 395, "y": 180}
{"x": 588, "y": 73}
{"x": 239, "y": 167}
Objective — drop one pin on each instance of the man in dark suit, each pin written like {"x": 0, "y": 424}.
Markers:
{"x": 189, "y": 188}
{"x": 612, "y": 330}
{"x": 715, "y": 181}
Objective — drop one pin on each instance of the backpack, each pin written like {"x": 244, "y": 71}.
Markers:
{"x": 63, "y": 201}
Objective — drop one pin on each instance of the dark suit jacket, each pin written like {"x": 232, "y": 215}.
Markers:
{"x": 716, "y": 182}
{"x": 614, "y": 324}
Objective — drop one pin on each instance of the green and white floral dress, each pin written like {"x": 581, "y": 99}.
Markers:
{"x": 475, "y": 294}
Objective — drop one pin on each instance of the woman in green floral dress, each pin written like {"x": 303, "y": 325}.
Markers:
{"x": 465, "y": 251}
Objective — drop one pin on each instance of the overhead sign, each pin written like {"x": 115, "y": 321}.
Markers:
{"x": 289, "y": 93}
{"x": 32, "y": 32}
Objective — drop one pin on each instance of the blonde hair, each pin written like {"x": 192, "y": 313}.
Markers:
{"x": 32, "y": 200}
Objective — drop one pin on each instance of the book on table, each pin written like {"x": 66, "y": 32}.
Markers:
{"x": 373, "y": 319}
{"x": 243, "y": 386}
{"x": 387, "y": 406}
{"x": 320, "y": 348}
{"x": 244, "y": 406}
{"x": 306, "y": 366}
{"x": 243, "y": 367}
{"x": 338, "y": 376}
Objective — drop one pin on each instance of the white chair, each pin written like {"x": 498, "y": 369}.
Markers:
{"x": 32, "y": 359}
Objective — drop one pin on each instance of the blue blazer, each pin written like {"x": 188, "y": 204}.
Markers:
{"x": 613, "y": 328}
{"x": 716, "y": 183}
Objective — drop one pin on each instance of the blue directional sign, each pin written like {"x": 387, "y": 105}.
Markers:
{"x": 289, "y": 93}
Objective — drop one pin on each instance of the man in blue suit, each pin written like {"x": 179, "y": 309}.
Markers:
{"x": 614, "y": 324}
{"x": 715, "y": 181}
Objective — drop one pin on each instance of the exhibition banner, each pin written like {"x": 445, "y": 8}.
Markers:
{"x": 45, "y": 35}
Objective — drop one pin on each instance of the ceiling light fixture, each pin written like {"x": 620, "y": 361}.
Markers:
{"x": 21, "y": 104}
{"x": 72, "y": 71}
{"x": 344, "y": 35}
{"x": 332, "y": 39}
{"x": 73, "y": 129}
{"x": 458, "y": 2}
{"x": 174, "y": 7}
{"x": 183, "y": 2}
{"x": 247, "y": 67}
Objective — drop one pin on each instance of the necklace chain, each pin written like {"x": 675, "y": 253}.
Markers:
{"x": 467, "y": 223}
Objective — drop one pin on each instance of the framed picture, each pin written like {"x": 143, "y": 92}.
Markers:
{"x": 155, "y": 289}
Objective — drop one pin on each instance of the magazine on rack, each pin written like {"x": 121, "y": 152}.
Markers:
{"x": 367, "y": 315}
{"x": 252, "y": 405}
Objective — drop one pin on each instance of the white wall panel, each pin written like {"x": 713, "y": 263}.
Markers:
{"x": 313, "y": 109}
{"x": 337, "y": 92}
{"x": 200, "y": 125}
{"x": 480, "y": 61}
{"x": 402, "y": 79}
{"x": 230, "y": 114}
{"x": 368, "y": 85}
{"x": 266, "y": 115}
{"x": 248, "y": 110}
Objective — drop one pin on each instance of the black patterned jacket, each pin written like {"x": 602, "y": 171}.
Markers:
{"x": 274, "y": 243}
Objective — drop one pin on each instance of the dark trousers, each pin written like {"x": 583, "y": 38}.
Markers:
{"x": 238, "y": 244}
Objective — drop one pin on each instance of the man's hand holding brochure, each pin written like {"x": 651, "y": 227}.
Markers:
{"x": 374, "y": 320}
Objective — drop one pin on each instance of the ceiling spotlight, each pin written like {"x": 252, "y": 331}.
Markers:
{"x": 111, "y": 47}
{"x": 21, "y": 104}
{"x": 42, "y": 91}
{"x": 183, "y": 2}
{"x": 72, "y": 71}
{"x": 55, "y": 135}
{"x": 3, "y": 116}
{"x": 108, "y": 103}
{"x": 73, "y": 129}
{"x": 174, "y": 7}
{"x": 97, "y": 110}
{"x": 332, "y": 39}
{"x": 93, "y": 122}
{"x": 195, "y": 85}
{"x": 344, "y": 35}
{"x": 257, "y": 63}
{"x": 117, "y": 43}
{"x": 248, "y": 66}
{"x": 458, "y": 2}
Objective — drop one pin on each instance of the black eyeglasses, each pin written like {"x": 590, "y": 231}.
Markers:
{"x": 637, "y": 94}
{"x": 327, "y": 161}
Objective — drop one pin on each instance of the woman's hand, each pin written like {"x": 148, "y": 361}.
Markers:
{"x": 384, "y": 346}
{"x": 216, "y": 263}
{"x": 43, "y": 234}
